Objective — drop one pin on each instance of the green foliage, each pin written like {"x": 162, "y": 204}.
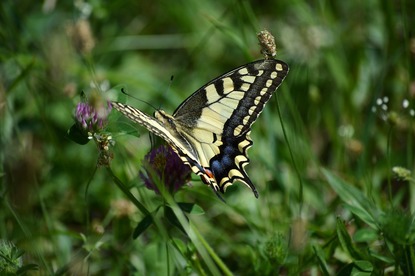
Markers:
{"x": 11, "y": 260}
{"x": 336, "y": 185}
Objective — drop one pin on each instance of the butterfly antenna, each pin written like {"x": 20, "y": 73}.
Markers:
{"x": 168, "y": 87}
{"x": 137, "y": 99}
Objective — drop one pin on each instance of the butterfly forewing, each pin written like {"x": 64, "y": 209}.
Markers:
{"x": 212, "y": 126}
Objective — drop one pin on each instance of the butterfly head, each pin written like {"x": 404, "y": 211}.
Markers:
{"x": 164, "y": 118}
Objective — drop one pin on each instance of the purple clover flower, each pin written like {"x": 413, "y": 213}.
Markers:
{"x": 163, "y": 165}
{"x": 90, "y": 118}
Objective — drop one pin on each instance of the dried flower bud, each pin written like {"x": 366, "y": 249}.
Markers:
{"x": 81, "y": 35}
{"x": 267, "y": 43}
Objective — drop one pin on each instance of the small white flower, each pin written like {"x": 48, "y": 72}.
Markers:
{"x": 379, "y": 101}
{"x": 405, "y": 103}
{"x": 346, "y": 131}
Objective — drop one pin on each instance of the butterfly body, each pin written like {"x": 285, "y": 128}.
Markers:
{"x": 210, "y": 130}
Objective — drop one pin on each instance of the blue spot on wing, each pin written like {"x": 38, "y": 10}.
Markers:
{"x": 226, "y": 161}
{"x": 217, "y": 168}
{"x": 229, "y": 150}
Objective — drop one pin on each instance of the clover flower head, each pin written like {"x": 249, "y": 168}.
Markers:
{"x": 90, "y": 118}
{"x": 162, "y": 165}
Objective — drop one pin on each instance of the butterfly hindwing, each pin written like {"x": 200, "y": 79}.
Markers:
{"x": 210, "y": 130}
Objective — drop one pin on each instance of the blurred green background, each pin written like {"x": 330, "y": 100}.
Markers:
{"x": 347, "y": 105}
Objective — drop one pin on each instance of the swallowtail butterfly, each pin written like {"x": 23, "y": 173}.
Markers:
{"x": 210, "y": 130}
